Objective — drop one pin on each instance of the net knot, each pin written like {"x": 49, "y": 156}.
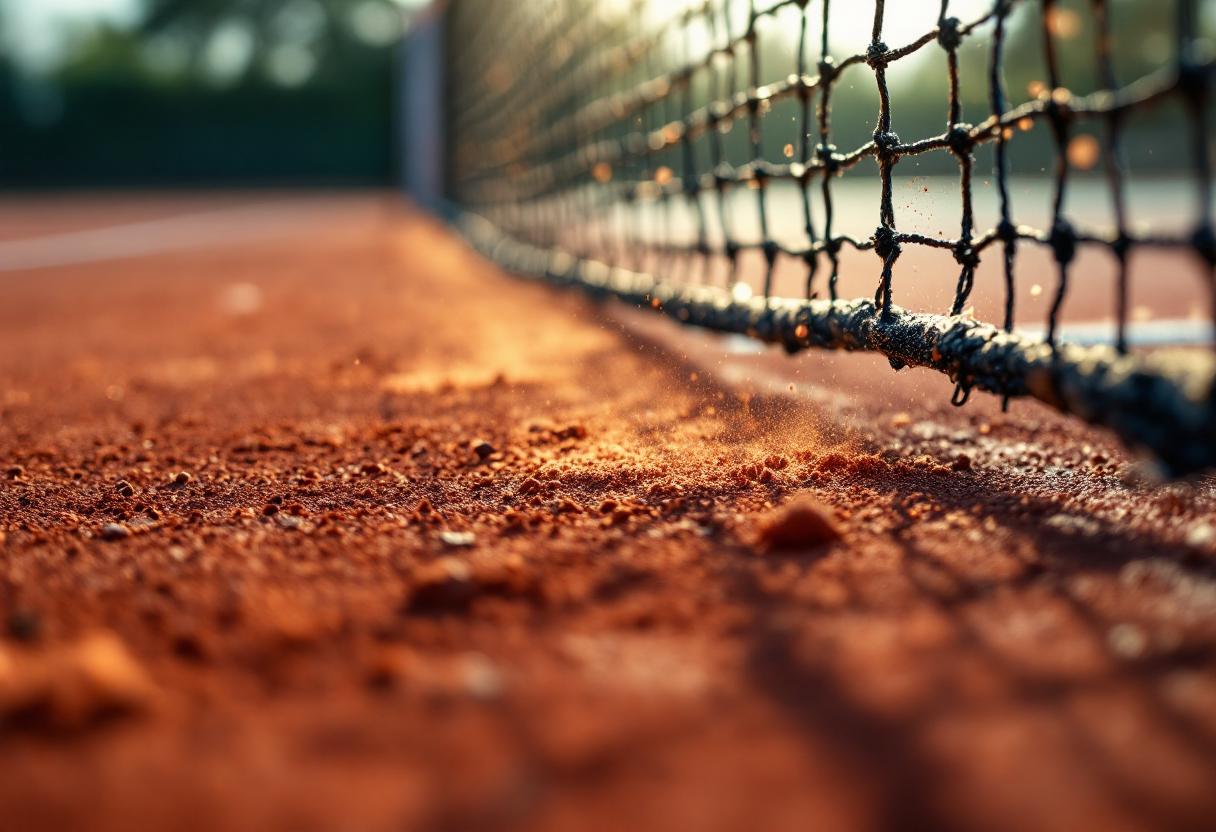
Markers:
{"x": 1063, "y": 241}
{"x": 885, "y": 245}
{"x": 826, "y": 154}
{"x": 771, "y": 250}
{"x": 723, "y": 178}
{"x": 1204, "y": 241}
{"x": 948, "y": 34}
{"x": 1006, "y": 231}
{"x": 1059, "y": 111}
{"x": 965, "y": 254}
{"x": 827, "y": 70}
{"x": 959, "y": 140}
{"x": 886, "y": 144}
{"x": 876, "y": 55}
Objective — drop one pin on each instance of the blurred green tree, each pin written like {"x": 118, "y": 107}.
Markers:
{"x": 211, "y": 93}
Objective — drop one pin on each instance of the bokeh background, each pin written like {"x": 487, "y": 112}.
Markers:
{"x": 220, "y": 93}
{"x": 136, "y": 93}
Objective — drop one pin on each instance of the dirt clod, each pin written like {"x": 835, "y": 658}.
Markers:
{"x": 114, "y": 531}
{"x": 482, "y": 448}
{"x": 802, "y": 524}
{"x": 24, "y": 625}
{"x": 69, "y": 688}
{"x": 567, "y": 506}
{"x": 445, "y": 583}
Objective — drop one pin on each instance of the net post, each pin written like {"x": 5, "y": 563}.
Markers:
{"x": 421, "y": 113}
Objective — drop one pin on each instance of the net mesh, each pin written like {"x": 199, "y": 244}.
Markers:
{"x": 605, "y": 130}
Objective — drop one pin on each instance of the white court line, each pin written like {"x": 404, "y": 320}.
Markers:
{"x": 1162, "y": 333}
{"x": 205, "y": 229}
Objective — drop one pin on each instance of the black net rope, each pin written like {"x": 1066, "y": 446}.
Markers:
{"x": 561, "y": 115}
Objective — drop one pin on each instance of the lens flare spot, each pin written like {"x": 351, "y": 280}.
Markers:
{"x": 1083, "y": 151}
{"x": 1063, "y": 23}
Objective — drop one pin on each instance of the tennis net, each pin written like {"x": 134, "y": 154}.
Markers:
{"x": 682, "y": 156}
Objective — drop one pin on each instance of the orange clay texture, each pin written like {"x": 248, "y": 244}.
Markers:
{"x": 350, "y": 531}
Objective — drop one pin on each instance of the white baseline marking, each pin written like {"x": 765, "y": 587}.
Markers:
{"x": 206, "y": 229}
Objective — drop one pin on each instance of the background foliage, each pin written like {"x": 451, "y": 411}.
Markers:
{"x": 210, "y": 92}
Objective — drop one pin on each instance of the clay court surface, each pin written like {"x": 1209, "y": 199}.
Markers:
{"x": 453, "y": 551}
